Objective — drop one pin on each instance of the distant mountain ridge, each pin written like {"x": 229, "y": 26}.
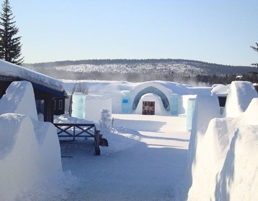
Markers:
{"x": 101, "y": 67}
{"x": 122, "y": 61}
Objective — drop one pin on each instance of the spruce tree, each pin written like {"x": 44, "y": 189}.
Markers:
{"x": 255, "y": 49}
{"x": 10, "y": 45}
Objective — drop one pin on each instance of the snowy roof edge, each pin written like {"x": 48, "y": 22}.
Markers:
{"x": 9, "y": 69}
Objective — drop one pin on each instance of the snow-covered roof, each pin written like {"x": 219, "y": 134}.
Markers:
{"x": 11, "y": 70}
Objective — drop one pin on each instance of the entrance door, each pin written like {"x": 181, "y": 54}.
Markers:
{"x": 148, "y": 107}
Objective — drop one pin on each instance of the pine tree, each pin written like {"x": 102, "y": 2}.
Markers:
{"x": 10, "y": 45}
{"x": 255, "y": 49}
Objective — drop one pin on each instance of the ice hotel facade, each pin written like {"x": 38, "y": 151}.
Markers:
{"x": 148, "y": 98}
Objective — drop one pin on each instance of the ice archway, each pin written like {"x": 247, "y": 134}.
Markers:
{"x": 153, "y": 90}
{"x": 151, "y": 87}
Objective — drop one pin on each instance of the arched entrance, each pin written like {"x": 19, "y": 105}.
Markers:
{"x": 153, "y": 90}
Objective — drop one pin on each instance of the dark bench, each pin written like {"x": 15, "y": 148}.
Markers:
{"x": 73, "y": 131}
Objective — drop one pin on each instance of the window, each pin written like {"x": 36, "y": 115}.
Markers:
{"x": 54, "y": 104}
{"x": 60, "y": 104}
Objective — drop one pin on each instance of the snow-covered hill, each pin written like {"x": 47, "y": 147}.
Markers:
{"x": 155, "y": 67}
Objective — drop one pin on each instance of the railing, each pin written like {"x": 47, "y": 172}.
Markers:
{"x": 79, "y": 130}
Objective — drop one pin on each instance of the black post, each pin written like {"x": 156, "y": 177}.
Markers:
{"x": 96, "y": 139}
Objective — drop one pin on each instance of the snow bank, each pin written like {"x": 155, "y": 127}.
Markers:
{"x": 206, "y": 108}
{"x": 29, "y": 149}
{"x": 26, "y": 158}
{"x": 223, "y": 151}
{"x": 19, "y": 98}
{"x": 239, "y": 96}
{"x": 220, "y": 90}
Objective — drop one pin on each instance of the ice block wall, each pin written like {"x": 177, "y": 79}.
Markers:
{"x": 190, "y": 111}
{"x": 78, "y": 105}
{"x": 125, "y": 102}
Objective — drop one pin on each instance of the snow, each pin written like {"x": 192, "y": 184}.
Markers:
{"x": 145, "y": 160}
{"x": 19, "y": 98}
{"x": 239, "y": 96}
{"x": 9, "y": 69}
{"x": 29, "y": 149}
{"x": 148, "y": 157}
{"x": 220, "y": 90}
{"x": 223, "y": 149}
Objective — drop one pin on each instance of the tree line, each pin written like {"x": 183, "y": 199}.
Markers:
{"x": 226, "y": 79}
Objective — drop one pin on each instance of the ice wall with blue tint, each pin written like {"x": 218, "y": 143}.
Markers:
{"x": 125, "y": 102}
{"x": 79, "y": 105}
{"x": 174, "y": 105}
{"x": 190, "y": 112}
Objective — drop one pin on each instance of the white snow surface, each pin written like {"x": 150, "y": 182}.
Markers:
{"x": 220, "y": 89}
{"x": 29, "y": 149}
{"x": 9, "y": 69}
{"x": 223, "y": 149}
{"x": 147, "y": 157}
{"x": 19, "y": 98}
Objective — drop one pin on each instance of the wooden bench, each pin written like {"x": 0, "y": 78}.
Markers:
{"x": 81, "y": 130}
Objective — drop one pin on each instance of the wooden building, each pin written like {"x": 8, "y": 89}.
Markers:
{"x": 49, "y": 101}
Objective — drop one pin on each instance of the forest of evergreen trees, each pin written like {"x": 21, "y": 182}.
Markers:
{"x": 226, "y": 79}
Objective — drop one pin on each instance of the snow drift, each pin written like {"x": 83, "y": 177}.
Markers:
{"x": 29, "y": 149}
{"x": 223, "y": 151}
{"x": 19, "y": 98}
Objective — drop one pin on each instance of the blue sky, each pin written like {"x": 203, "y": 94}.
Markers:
{"x": 215, "y": 31}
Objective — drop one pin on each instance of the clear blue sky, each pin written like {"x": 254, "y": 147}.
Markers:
{"x": 215, "y": 31}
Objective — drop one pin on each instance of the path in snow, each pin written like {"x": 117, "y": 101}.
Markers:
{"x": 151, "y": 169}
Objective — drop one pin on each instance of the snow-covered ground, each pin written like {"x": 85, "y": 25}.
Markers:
{"x": 223, "y": 148}
{"x": 146, "y": 160}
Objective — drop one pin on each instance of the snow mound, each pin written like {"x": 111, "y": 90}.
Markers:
{"x": 17, "y": 161}
{"x": 19, "y": 98}
{"x": 223, "y": 163}
{"x": 22, "y": 162}
{"x": 251, "y": 115}
{"x": 29, "y": 149}
{"x": 220, "y": 89}
{"x": 206, "y": 108}
{"x": 119, "y": 138}
{"x": 239, "y": 96}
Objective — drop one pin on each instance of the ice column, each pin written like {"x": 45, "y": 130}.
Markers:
{"x": 125, "y": 101}
{"x": 190, "y": 111}
{"x": 78, "y": 106}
